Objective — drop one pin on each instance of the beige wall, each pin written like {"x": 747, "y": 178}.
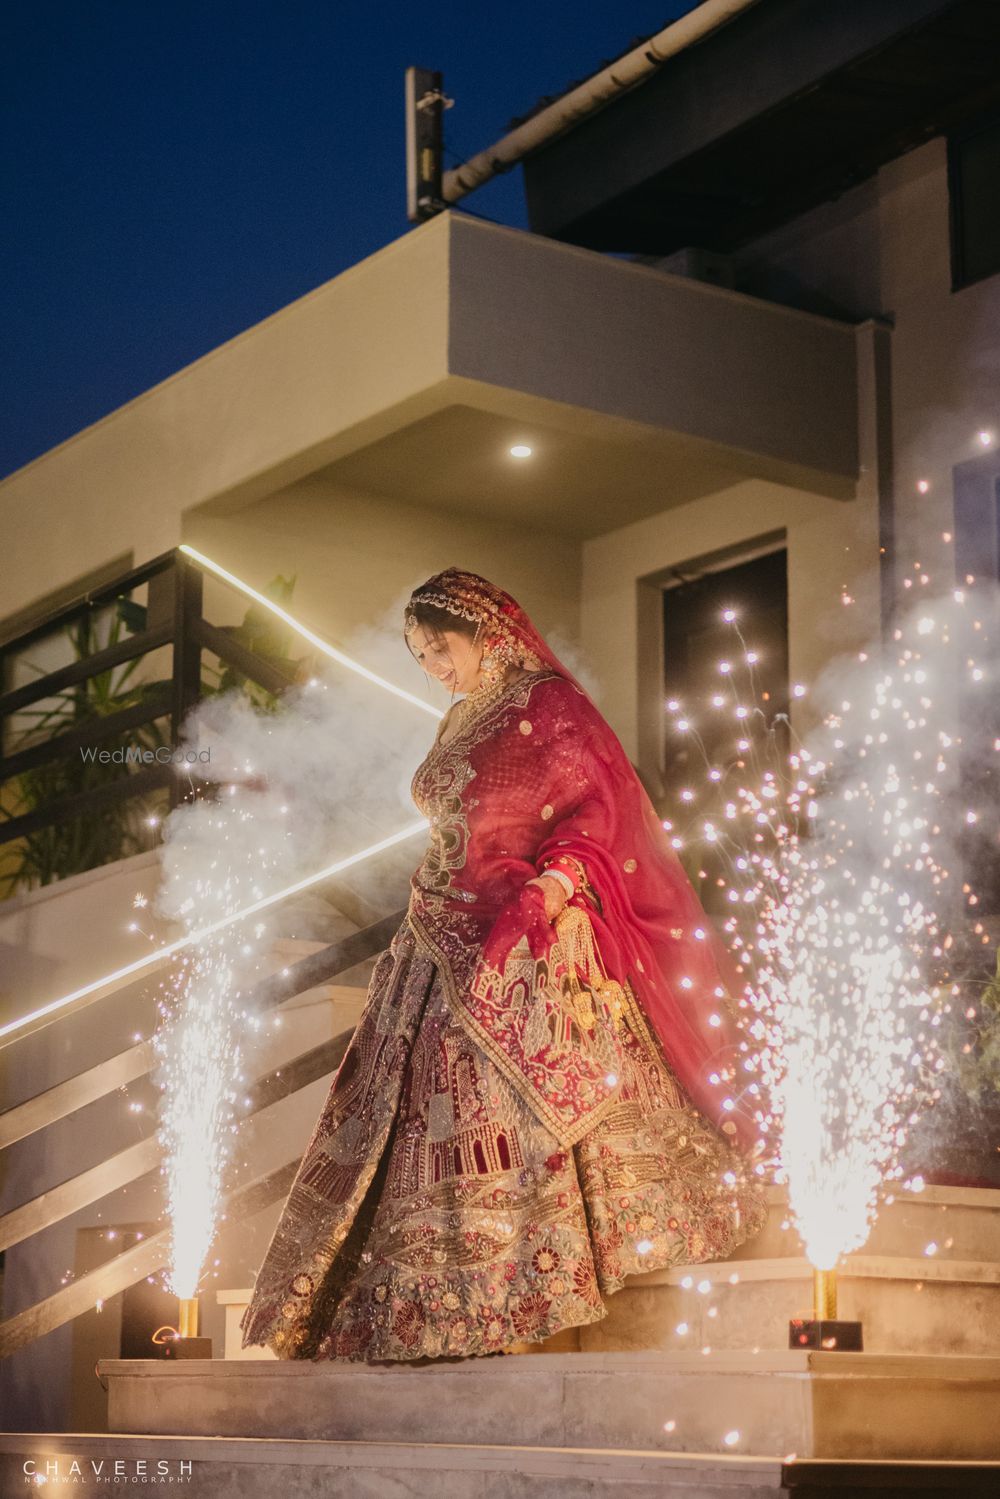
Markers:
{"x": 830, "y": 544}
{"x": 883, "y": 252}
{"x": 259, "y": 410}
{"x": 883, "y": 249}
{"x": 357, "y": 558}
{"x": 745, "y": 376}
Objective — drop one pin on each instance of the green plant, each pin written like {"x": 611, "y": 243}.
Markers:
{"x": 122, "y": 828}
{"x": 89, "y": 839}
{"x": 972, "y": 1050}
{"x": 263, "y": 634}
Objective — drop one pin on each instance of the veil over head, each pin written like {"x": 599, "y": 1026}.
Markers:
{"x": 506, "y": 626}
{"x": 651, "y": 928}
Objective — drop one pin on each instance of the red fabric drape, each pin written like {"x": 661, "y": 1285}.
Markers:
{"x": 651, "y": 928}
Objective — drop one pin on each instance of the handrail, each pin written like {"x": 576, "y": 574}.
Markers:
{"x": 72, "y": 1094}
{"x": 134, "y": 1264}
{"x": 91, "y": 666}
{"x": 106, "y": 593}
{"x": 172, "y": 617}
{"x": 80, "y": 1191}
{"x": 216, "y": 639}
{"x": 115, "y": 983}
{"x": 144, "y": 1156}
{"x": 62, "y": 808}
{"x": 155, "y": 704}
{"x": 65, "y": 1098}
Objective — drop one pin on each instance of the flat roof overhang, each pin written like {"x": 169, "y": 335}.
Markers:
{"x": 789, "y": 104}
{"x": 410, "y": 375}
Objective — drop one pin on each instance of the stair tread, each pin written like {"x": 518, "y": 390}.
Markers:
{"x": 507, "y": 1454}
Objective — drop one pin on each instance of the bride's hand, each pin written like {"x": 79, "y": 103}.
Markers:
{"x": 554, "y": 893}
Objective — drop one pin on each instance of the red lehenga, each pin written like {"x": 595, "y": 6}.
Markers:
{"x": 502, "y": 1145}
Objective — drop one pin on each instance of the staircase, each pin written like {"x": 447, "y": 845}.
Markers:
{"x": 80, "y": 1164}
{"x": 562, "y": 1426}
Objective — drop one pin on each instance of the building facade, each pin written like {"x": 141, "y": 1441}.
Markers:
{"x": 752, "y": 336}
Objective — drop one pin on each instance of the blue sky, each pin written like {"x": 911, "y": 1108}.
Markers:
{"x": 175, "y": 170}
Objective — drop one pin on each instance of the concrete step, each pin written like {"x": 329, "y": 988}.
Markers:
{"x": 946, "y": 1302}
{"x": 813, "y": 1404}
{"x": 310, "y": 915}
{"x": 286, "y": 951}
{"x": 956, "y": 1223}
{"x": 748, "y": 1304}
{"x": 305, "y": 1020}
{"x": 905, "y": 1305}
{"x": 220, "y": 1468}
{"x": 926, "y": 1282}
{"x": 258, "y": 1468}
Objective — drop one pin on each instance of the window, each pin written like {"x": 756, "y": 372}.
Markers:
{"x": 974, "y": 189}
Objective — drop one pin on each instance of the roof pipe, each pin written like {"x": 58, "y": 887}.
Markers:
{"x": 561, "y": 115}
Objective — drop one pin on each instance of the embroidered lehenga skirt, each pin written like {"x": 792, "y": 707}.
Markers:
{"x": 435, "y": 1215}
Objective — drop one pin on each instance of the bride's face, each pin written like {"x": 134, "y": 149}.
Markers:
{"x": 451, "y": 657}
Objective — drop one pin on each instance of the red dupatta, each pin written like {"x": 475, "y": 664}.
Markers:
{"x": 650, "y": 930}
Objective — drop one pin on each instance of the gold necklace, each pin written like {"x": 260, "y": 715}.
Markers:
{"x": 491, "y": 685}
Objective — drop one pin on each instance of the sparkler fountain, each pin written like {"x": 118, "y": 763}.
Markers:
{"x": 841, "y": 852}
{"x": 200, "y": 1042}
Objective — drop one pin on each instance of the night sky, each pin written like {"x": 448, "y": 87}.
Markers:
{"x": 176, "y": 170}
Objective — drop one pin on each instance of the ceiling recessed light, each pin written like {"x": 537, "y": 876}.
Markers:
{"x": 520, "y": 450}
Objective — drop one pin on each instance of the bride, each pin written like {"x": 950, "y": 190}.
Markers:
{"x": 543, "y": 1093}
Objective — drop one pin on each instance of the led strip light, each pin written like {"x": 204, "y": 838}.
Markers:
{"x": 306, "y": 633}
{"x": 15, "y": 1029}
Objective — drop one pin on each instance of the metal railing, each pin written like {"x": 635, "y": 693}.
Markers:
{"x": 172, "y": 616}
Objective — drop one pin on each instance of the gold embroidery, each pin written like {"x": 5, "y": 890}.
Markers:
{"x": 440, "y": 783}
{"x": 519, "y": 1244}
{"x": 525, "y": 726}
{"x": 547, "y": 811}
{"x": 566, "y": 1134}
{"x": 630, "y": 866}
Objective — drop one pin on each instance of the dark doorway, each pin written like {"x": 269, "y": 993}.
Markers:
{"x": 977, "y": 573}
{"x": 697, "y": 639}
